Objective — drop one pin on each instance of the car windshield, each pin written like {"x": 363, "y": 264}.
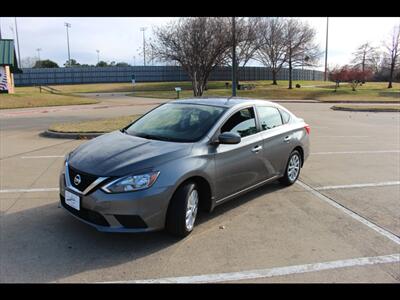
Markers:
{"x": 176, "y": 122}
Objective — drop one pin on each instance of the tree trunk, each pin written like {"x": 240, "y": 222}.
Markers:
{"x": 290, "y": 73}
{"x": 391, "y": 76}
{"x": 274, "y": 77}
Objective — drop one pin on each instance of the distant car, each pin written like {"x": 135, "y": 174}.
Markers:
{"x": 181, "y": 156}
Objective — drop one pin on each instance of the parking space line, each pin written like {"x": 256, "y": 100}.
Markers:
{"x": 356, "y": 152}
{"x": 361, "y": 185}
{"x": 29, "y": 190}
{"x": 42, "y": 156}
{"x": 273, "y": 272}
{"x": 351, "y": 213}
{"x": 341, "y": 136}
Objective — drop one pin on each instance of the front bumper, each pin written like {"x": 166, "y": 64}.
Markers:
{"x": 139, "y": 211}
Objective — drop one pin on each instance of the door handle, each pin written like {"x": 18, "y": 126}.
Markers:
{"x": 256, "y": 149}
{"x": 287, "y": 139}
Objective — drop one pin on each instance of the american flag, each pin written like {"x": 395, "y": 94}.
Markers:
{"x": 3, "y": 80}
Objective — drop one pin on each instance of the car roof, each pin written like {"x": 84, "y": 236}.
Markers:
{"x": 224, "y": 101}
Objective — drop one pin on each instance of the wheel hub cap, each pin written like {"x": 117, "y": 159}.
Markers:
{"x": 191, "y": 210}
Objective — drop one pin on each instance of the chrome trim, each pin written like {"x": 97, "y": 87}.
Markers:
{"x": 88, "y": 189}
{"x": 246, "y": 189}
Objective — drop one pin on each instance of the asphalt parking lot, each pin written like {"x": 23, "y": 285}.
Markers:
{"x": 339, "y": 223}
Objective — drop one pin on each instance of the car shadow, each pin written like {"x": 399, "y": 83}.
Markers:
{"x": 46, "y": 244}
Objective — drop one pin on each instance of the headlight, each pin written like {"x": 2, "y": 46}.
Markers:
{"x": 131, "y": 183}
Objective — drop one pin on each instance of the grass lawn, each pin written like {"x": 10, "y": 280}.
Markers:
{"x": 95, "y": 126}
{"x": 322, "y": 91}
{"x": 33, "y": 98}
{"x": 375, "y": 108}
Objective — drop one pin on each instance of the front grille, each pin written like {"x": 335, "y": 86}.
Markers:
{"x": 85, "y": 214}
{"x": 131, "y": 221}
{"x": 86, "y": 179}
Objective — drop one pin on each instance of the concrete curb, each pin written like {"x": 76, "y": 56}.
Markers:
{"x": 70, "y": 135}
{"x": 364, "y": 110}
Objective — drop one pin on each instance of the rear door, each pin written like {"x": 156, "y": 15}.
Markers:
{"x": 277, "y": 139}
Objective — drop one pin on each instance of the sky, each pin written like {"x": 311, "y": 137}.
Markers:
{"x": 119, "y": 38}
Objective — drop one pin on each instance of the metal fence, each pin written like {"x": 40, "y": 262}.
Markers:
{"x": 54, "y": 76}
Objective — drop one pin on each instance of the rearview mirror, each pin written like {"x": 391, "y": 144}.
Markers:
{"x": 229, "y": 138}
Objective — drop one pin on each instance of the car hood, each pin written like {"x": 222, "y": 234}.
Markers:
{"x": 119, "y": 154}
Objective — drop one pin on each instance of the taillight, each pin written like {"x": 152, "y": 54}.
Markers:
{"x": 307, "y": 128}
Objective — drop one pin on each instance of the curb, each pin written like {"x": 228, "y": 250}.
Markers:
{"x": 70, "y": 135}
{"x": 364, "y": 110}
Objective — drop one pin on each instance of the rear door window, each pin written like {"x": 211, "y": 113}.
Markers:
{"x": 269, "y": 117}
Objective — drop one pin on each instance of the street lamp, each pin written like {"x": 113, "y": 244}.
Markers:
{"x": 38, "y": 51}
{"x": 68, "y": 25}
{"x": 134, "y": 60}
{"x": 98, "y": 56}
{"x": 326, "y": 49}
{"x": 143, "y": 29}
{"x": 233, "y": 57}
{"x": 16, "y": 32}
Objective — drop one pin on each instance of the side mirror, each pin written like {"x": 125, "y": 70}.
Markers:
{"x": 229, "y": 138}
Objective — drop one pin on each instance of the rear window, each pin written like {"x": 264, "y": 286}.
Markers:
{"x": 285, "y": 116}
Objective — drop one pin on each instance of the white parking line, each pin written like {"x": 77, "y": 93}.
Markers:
{"x": 352, "y": 214}
{"x": 42, "y": 156}
{"x": 361, "y": 185}
{"x": 29, "y": 190}
{"x": 356, "y": 152}
{"x": 341, "y": 136}
{"x": 273, "y": 272}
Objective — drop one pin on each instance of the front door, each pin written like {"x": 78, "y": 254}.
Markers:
{"x": 241, "y": 165}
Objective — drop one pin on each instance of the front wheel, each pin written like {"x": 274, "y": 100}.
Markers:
{"x": 292, "y": 171}
{"x": 182, "y": 210}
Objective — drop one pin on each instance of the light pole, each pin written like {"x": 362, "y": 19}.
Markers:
{"x": 233, "y": 57}
{"x": 98, "y": 56}
{"x": 143, "y": 29}
{"x": 68, "y": 25}
{"x": 134, "y": 60}
{"x": 326, "y": 48}
{"x": 16, "y": 31}
{"x": 38, "y": 51}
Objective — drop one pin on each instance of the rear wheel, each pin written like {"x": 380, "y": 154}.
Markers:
{"x": 182, "y": 210}
{"x": 292, "y": 171}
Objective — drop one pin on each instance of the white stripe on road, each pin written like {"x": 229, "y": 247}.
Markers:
{"x": 356, "y": 152}
{"x": 273, "y": 272}
{"x": 43, "y": 156}
{"x": 361, "y": 185}
{"x": 371, "y": 225}
{"x": 29, "y": 190}
{"x": 341, "y": 136}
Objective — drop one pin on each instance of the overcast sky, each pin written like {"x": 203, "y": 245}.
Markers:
{"x": 119, "y": 39}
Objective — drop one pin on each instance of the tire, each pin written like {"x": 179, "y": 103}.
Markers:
{"x": 176, "y": 222}
{"x": 289, "y": 178}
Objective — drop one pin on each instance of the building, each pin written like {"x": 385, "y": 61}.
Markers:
{"x": 8, "y": 63}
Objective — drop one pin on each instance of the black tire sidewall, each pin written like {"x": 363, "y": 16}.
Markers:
{"x": 176, "y": 215}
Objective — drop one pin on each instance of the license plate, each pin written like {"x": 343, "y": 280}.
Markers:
{"x": 72, "y": 200}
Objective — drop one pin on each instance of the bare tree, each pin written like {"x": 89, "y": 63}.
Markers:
{"x": 28, "y": 62}
{"x": 391, "y": 54}
{"x": 198, "y": 44}
{"x": 246, "y": 30}
{"x": 272, "y": 47}
{"x": 300, "y": 47}
{"x": 366, "y": 57}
